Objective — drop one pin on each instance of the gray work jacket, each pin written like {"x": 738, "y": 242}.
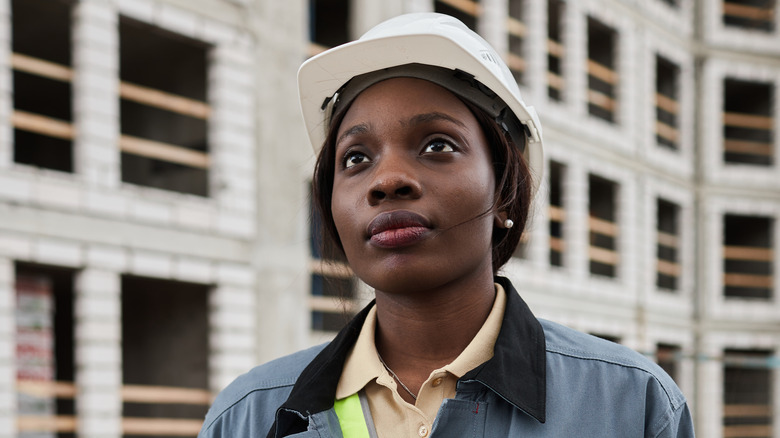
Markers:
{"x": 544, "y": 380}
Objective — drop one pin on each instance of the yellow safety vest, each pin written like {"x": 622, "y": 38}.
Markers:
{"x": 351, "y": 418}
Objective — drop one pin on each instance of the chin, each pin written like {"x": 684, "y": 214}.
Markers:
{"x": 407, "y": 279}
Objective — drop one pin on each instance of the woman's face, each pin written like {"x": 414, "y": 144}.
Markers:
{"x": 412, "y": 181}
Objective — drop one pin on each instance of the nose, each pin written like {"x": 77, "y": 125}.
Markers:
{"x": 393, "y": 179}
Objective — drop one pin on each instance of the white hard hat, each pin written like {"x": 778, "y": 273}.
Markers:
{"x": 408, "y": 46}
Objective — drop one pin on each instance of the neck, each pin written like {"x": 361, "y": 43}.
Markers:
{"x": 419, "y": 332}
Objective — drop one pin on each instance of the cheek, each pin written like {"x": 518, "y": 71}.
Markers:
{"x": 343, "y": 213}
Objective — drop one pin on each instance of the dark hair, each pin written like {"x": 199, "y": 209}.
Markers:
{"x": 513, "y": 187}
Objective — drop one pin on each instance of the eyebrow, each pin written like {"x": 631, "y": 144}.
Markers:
{"x": 434, "y": 116}
{"x": 361, "y": 128}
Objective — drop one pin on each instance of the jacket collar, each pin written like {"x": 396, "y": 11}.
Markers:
{"x": 516, "y": 372}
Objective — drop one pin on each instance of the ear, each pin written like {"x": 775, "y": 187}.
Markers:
{"x": 498, "y": 219}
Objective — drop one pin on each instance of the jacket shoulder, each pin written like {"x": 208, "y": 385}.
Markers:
{"x": 247, "y": 406}
{"x": 578, "y": 346}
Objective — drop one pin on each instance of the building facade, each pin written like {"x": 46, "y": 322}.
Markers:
{"x": 155, "y": 232}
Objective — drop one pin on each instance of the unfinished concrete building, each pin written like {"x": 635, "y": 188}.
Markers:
{"x": 155, "y": 239}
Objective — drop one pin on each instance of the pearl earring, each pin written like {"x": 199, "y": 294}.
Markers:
{"x": 509, "y": 223}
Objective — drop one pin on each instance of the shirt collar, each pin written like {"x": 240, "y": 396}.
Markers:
{"x": 362, "y": 364}
{"x": 516, "y": 372}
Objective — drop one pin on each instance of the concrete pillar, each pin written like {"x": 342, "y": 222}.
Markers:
{"x": 7, "y": 350}
{"x": 231, "y": 138}
{"x": 232, "y": 331}
{"x": 575, "y": 228}
{"x": 6, "y": 88}
{"x": 95, "y": 92}
{"x": 98, "y": 354}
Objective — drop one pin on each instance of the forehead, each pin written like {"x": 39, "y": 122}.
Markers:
{"x": 399, "y": 97}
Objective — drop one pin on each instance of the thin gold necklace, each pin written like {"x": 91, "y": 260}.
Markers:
{"x": 395, "y": 376}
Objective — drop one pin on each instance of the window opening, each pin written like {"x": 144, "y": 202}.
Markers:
{"x": 555, "y": 50}
{"x": 42, "y": 116}
{"x": 602, "y": 74}
{"x": 44, "y": 352}
{"x": 750, "y": 14}
{"x": 667, "y": 247}
{"x": 165, "y": 350}
{"x": 333, "y": 300}
{"x": 328, "y": 24}
{"x": 557, "y": 215}
{"x": 747, "y": 393}
{"x": 668, "y": 358}
{"x": 516, "y": 30}
{"x": 666, "y": 107}
{"x": 163, "y": 111}
{"x": 603, "y": 227}
{"x": 467, "y": 11}
{"x": 747, "y": 257}
{"x": 747, "y": 122}
{"x": 672, "y": 3}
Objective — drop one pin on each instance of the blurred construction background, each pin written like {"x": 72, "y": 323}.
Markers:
{"x": 155, "y": 234}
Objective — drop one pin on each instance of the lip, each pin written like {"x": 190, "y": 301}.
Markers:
{"x": 394, "y": 229}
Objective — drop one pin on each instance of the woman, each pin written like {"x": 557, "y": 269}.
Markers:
{"x": 428, "y": 163}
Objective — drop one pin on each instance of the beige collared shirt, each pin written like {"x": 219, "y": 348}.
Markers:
{"x": 394, "y": 417}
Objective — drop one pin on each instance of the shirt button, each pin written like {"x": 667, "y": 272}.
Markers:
{"x": 436, "y": 382}
{"x": 422, "y": 431}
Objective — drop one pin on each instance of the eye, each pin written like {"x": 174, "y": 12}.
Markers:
{"x": 438, "y": 145}
{"x": 354, "y": 158}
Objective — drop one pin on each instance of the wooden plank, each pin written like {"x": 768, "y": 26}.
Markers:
{"x": 667, "y": 239}
{"x": 602, "y": 226}
{"x": 748, "y": 147}
{"x": 52, "y": 423}
{"x": 515, "y": 62}
{"x": 749, "y": 12}
{"x": 752, "y": 121}
{"x": 747, "y": 280}
{"x": 516, "y": 27}
{"x": 63, "y": 390}
{"x": 601, "y": 100}
{"x": 165, "y": 394}
{"x": 163, "y": 151}
{"x": 330, "y": 269}
{"x": 602, "y": 255}
{"x": 602, "y": 72}
{"x": 136, "y": 93}
{"x": 667, "y": 131}
{"x": 163, "y": 100}
{"x": 42, "y": 125}
{"x": 468, "y": 6}
{"x": 666, "y": 267}
{"x": 557, "y": 214}
{"x": 555, "y": 48}
{"x": 555, "y": 81}
{"x": 41, "y": 67}
{"x": 321, "y": 303}
{"x": 752, "y": 431}
{"x": 747, "y": 411}
{"x": 160, "y": 426}
{"x": 750, "y": 253}
{"x": 666, "y": 103}
{"x": 557, "y": 244}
